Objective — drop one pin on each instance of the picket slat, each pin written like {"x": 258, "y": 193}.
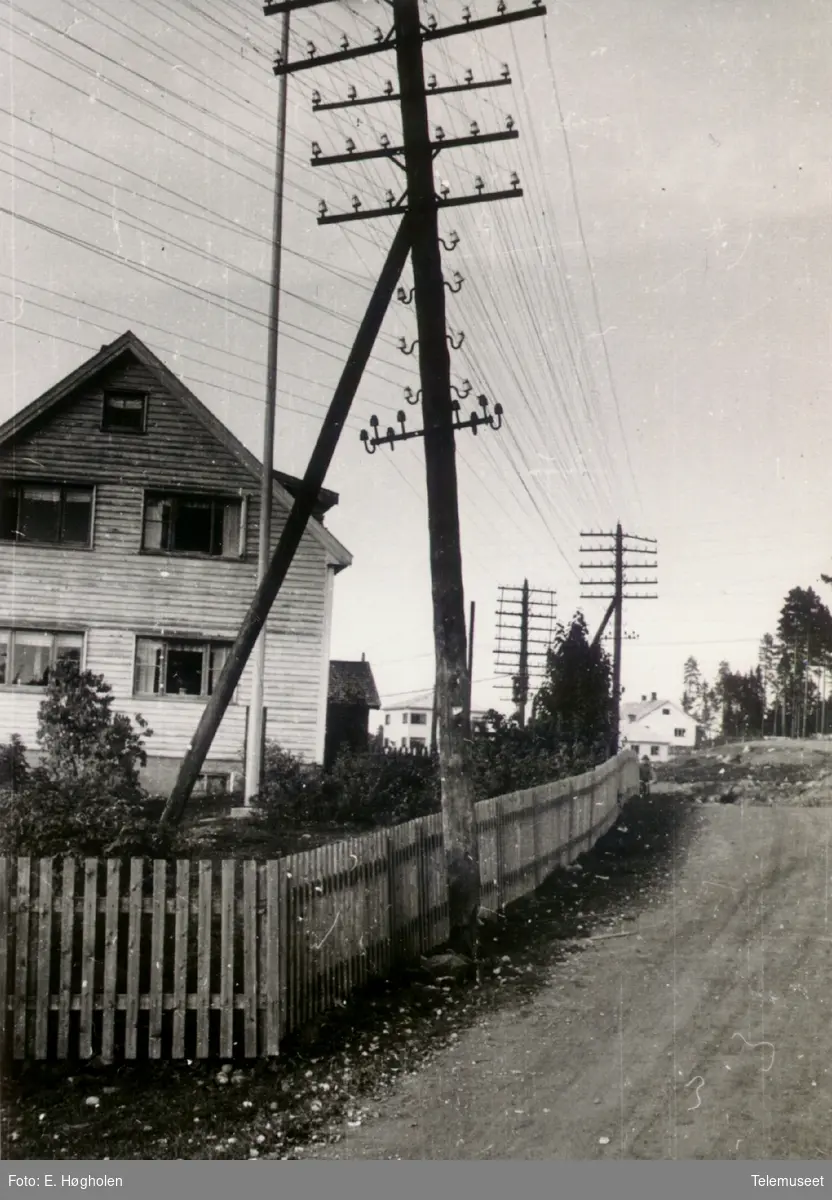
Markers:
{"x": 250, "y": 958}
{"x": 5, "y": 923}
{"x": 281, "y": 942}
{"x": 88, "y": 960}
{"x": 21, "y": 966}
{"x": 180, "y": 956}
{"x": 273, "y": 980}
{"x": 134, "y": 942}
{"x": 44, "y": 956}
{"x": 203, "y": 951}
{"x": 110, "y": 958}
{"x": 227, "y": 959}
{"x": 157, "y": 950}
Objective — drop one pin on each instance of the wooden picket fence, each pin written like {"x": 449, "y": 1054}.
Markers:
{"x": 157, "y": 959}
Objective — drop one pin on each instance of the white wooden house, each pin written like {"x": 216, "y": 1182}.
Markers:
{"x": 407, "y": 722}
{"x": 128, "y": 541}
{"x": 656, "y": 727}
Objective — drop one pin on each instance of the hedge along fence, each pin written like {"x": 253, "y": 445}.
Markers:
{"x": 134, "y": 959}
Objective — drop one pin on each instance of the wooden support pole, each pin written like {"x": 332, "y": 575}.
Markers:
{"x": 440, "y": 465}
{"x": 295, "y": 526}
{"x": 616, "y": 662}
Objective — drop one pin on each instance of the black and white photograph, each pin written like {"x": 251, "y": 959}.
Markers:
{"x": 415, "y": 584}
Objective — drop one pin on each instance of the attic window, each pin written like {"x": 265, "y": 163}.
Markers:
{"x": 665, "y": 712}
{"x": 124, "y": 412}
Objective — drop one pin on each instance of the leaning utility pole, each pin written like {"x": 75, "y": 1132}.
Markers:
{"x": 620, "y": 580}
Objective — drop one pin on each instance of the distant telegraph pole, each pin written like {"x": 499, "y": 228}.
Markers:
{"x": 523, "y": 612}
{"x": 625, "y": 557}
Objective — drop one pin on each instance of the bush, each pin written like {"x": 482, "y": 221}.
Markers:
{"x": 14, "y": 768}
{"x": 365, "y": 789}
{"x": 381, "y": 789}
{"x": 85, "y": 797}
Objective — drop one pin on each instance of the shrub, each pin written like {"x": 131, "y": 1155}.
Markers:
{"x": 85, "y": 796}
{"x": 14, "y": 768}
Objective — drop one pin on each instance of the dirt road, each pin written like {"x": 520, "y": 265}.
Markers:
{"x": 703, "y": 1031}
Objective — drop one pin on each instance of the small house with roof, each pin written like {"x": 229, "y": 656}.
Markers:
{"x": 656, "y": 728}
{"x": 407, "y": 722}
{"x": 352, "y": 696}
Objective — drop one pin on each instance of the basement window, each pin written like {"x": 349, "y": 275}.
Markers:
{"x": 212, "y": 785}
{"x": 170, "y": 667}
{"x": 46, "y": 514}
{"x": 202, "y": 525}
{"x": 124, "y": 412}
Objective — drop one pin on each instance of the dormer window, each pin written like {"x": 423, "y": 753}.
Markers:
{"x": 124, "y": 412}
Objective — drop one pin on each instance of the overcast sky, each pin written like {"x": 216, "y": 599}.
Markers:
{"x": 653, "y": 314}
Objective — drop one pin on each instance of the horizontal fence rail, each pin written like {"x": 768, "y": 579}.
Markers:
{"x": 198, "y": 959}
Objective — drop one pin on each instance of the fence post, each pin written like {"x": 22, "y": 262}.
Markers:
{"x": 536, "y": 838}
{"x": 391, "y": 901}
{"x": 422, "y": 889}
{"x": 5, "y": 915}
{"x": 498, "y": 808}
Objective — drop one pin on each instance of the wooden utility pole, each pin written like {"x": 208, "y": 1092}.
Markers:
{"x": 620, "y": 582}
{"x": 295, "y": 526}
{"x": 523, "y": 682}
{"x": 471, "y": 619}
{"x": 452, "y": 683}
{"x": 256, "y": 727}
{"x": 616, "y": 658}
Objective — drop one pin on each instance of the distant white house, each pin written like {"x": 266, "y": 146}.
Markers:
{"x": 656, "y": 727}
{"x": 407, "y": 722}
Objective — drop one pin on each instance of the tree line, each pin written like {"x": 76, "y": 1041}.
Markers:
{"x": 786, "y": 693}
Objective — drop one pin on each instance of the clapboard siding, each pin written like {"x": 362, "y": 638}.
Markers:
{"x": 116, "y": 592}
{"x": 175, "y": 447}
{"x": 115, "y": 584}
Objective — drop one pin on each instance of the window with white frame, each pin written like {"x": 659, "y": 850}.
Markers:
{"x": 654, "y": 750}
{"x": 678, "y": 732}
{"x": 404, "y": 718}
{"x": 180, "y": 524}
{"x": 418, "y": 718}
{"x": 174, "y": 667}
{"x": 28, "y": 656}
{"x": 46, "y": 514}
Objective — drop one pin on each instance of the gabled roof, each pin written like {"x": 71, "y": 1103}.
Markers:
{"x": 286, "y": 486}
{"x": 641, "y": 709}
{"x": 352, "y": 683}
